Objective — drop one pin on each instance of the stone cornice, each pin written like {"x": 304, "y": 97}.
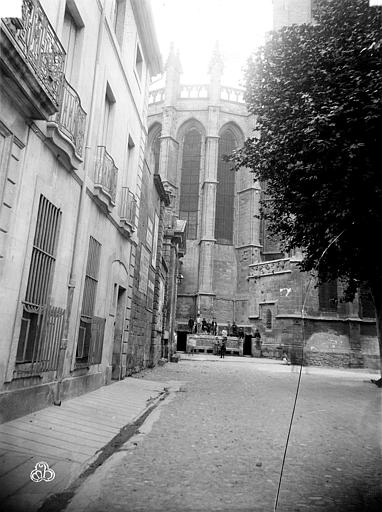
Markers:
{"x": 161, "y": 190}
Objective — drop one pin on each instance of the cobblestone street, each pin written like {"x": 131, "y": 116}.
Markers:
{"x": 218, "y": 444}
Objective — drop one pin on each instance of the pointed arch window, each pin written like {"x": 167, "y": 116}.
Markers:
{"x": 225, "y": 190}
{"x": 189, "y": 186}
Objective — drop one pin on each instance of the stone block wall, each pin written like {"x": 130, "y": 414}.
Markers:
{"x": 224, "y": 271}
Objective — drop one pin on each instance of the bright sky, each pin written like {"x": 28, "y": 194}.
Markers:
{"x": 195, "y": 25}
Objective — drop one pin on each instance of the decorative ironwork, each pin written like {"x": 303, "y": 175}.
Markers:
{"x": 40, "y": 338}
{"x": 128, "y": 206}
{"x": 71, "y": 117}
{"x": 40, "y": 46}
{"x": 106, "y": 173}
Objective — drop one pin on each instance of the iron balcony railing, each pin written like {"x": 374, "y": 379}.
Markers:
{"x": 36, "y": 39}
{"x": 128, "y": 206}
{"x": 71, "y": 117}
{"x": 106, "y": 173}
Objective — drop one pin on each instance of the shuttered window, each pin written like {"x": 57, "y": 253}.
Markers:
{"x": 91, "y": 331}
{"x": 91, "y": 278}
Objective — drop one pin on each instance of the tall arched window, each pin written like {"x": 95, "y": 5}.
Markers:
{"x": 189, "y": 185}
{"x": 225, "y": 190}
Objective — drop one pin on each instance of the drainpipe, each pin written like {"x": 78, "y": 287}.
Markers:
{"x": 76, "y": 255}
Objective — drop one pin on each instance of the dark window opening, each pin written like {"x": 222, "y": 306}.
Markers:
{"x": 268, "y": 319}
{"x": 328, "y": 296}
{"x": 225, "y": 191}
{"x": 189, "y": 186}
{"x": 366, "y": 303}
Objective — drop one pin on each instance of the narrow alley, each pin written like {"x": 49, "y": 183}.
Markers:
{"x": 218, "y": 443}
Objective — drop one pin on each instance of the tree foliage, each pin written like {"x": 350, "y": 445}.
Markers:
{"x": 316, "y": 92}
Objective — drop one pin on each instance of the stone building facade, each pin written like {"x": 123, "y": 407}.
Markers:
{"x": 75, "y": 193}
{"x": 233, "y": 270}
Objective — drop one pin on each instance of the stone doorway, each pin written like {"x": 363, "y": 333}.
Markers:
{"x": 118, "y": 333}
{"x": 247, "y": 346}
{"x": 181, "y": 345}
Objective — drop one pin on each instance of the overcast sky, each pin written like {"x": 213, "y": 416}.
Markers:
{"x": 195, "y": 25}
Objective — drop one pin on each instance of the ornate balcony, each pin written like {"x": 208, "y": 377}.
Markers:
{"x": 127, "y": 210}
{"x": 32, "y": 61}
{"x": 105, "y": 178}
{"x": 69, "y": 124}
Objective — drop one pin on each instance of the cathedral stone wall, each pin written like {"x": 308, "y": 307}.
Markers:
{"x": 249, "y": 281}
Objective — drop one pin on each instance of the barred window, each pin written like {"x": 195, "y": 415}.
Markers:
{"x": 328, "y": 296}
{"x": 90, "y": 336}
{"x": 43, "y": 253}
{"x": 189, "y": 186}
{"x": 225, "y": 191}
{"x": 40, "y": 278}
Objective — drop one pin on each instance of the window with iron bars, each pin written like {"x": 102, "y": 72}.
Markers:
{"x": 225, "y": 191}
{"x": 41, "y": 324}
{"x": 91, "y": 331}
{"x": 189, "y": 186}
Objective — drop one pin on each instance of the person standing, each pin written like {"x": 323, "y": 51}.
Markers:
{"x": 198, "y": 323}
{"x": 257, "y": 337}
{"x": 214, "y": 327}
{"x": 191, "y": 325}
{"x": 223, "y": 345}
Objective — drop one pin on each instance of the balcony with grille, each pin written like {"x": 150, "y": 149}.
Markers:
{"x": 105, "y": 179}
{"x": 127, "y": 211}
{"x": 32, "y": 61}
{"x": 66, "y": 129}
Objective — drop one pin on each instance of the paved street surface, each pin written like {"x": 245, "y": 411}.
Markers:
{"x": 218, "y": 444}
{"x": 69, "y": 439}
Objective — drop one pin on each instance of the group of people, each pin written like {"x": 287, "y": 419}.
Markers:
{"x": 202, "y": 326}
{"x": 199, "y": 326}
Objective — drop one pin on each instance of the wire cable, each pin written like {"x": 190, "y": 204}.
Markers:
{"x": 300, "y": 371}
